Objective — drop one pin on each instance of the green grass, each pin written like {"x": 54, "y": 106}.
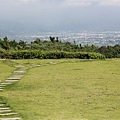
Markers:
{"x": 70, "y": 90}
{"x": 6, "y": 69}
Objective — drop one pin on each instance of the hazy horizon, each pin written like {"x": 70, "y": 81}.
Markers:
{"x": 59, "y": 15}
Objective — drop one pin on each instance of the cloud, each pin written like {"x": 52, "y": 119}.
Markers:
{"x": 27, "y": 1}
{"x": 68, "y": 2}
{"x": 91, "y": 2}
{"x": 77, "y": 2}
{"x": 109, "y": 3}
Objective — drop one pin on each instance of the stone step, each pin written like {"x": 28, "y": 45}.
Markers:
{"x": 20, "y": 71}
{"x": 36, "y": 65}
{"x": 12, "y": 81}
{"x": 16, "y": 77}
{"x": 19, "y": 66}
{"x": 2, "y": 85}
{"x": 3, "y": 111}
{"x": 53, "y": 63}
{"x": 6, "y": 108}
{"x": 2, "y": 105}
{"x": 7, "y": 114}
{"x": 17, "y": 118}
{"x": 1, "y": 89}
{"x": 6, "y": 83}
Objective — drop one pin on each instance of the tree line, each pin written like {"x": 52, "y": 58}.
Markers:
{"x": 54, "y": 44}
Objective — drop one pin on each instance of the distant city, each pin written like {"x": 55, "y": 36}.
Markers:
{"x": 83, "y": 38}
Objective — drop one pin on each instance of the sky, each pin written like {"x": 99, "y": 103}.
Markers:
{"x": 61, "y": 15}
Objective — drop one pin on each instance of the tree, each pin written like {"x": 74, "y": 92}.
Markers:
{"x": 57, "y": 40}
{"x": 6, "y": 44}
{"x": 37, "y": 41}
{"x": 52, "y": 39}
{"x": 102, "y": 49}
{"x": 22, "y": 44}
{"x": 13, "y": 44}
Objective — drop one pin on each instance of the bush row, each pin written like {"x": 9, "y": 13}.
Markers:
{"x": 26, "y": 54}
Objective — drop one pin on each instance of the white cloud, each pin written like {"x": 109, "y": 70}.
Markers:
{"x": 77, "y": 2}
{"x": 109, "y": 2}
{"x": 66, "y": 2}
{"x": 91, "y": 2}
{"x": 27, "y": 1}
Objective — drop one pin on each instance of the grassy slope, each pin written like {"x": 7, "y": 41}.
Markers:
{"x": 5, "y": 70}
{"x": 68, "y": 91}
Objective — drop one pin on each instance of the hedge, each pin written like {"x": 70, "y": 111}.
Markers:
{"x": 27, "y": 54}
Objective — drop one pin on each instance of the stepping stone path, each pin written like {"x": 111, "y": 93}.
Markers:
{"x": 5, "y": 112}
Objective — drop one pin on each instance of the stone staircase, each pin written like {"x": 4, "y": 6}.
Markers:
{"x": 6, "y": 112}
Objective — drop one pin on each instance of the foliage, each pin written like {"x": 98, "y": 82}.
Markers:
{"x": 110, "y": 52}
{"x": 12, "y": 45}
{"x": 54, "y": 44}
{"x": 32, "y": 54}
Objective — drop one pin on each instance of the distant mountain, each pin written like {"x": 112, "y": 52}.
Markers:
{"x": 11, "y": 28}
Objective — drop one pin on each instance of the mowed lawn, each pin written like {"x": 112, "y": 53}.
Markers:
{"x": 6, "y": 69}
{"x": 70, "y": 90}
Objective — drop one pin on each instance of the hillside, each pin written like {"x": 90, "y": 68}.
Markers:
{"x": 71, "y": 89}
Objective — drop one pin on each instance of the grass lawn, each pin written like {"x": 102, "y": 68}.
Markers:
{"x": 6, "y": 70}
{"x": 70, "y": 90}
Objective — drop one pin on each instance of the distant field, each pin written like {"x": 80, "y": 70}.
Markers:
{"x": 70, "y": 90}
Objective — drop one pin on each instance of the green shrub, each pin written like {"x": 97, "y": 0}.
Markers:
{"x": 32, "y": 54}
